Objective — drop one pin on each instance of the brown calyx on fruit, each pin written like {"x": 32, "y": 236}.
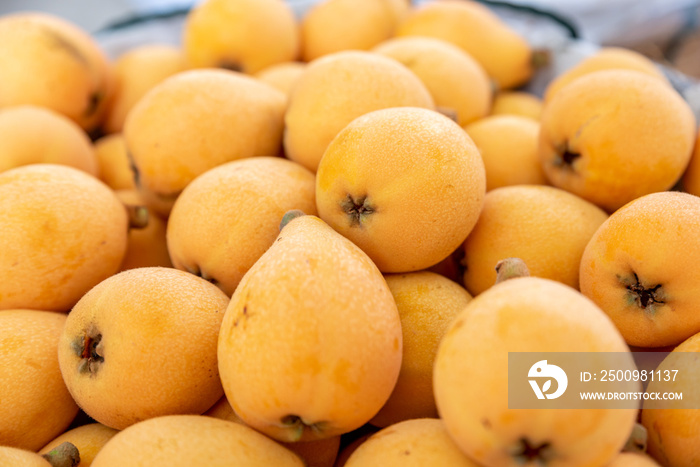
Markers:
{"x": 89, "y": 348}
{"x": 637, "y": 442}
{"x": 138, "y": 216}
{"x": 526, "y": 452}
{"x": 94, "y": 101}
{"x": 511, "y": 268}
{"x": 565, "y": 158}
{"x": 448, "y": 112}
{"x": 357, "y": 209}
{"x": 289, "y": 216}
{"x": 63, "y": 455}
{"x": 231, "y": 65}
{"x": 298, "y": 425}
{"x": 647, "y": 298}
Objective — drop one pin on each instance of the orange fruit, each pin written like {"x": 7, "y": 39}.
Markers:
{"x": 427, "y": 304}
{"x": 187, "y": 440}
{"x": 195, "y": 120}
{"x": 61, "y": 140}
{"x": 526, "y": 314}
{"x": 89, "y": 439}
{"x": 62, "y": 232}
{"x": 336, "y": 89}
{"x": 50, "y": 62}
{"x": 229, "y": 216}
{"x": 417, "y": 442}
{"x": 505, "y": 55}
{"x": 508, "y": 146}
{"x": 34, "y": 400}
{"x": 316, "y": 314}
{"x": 612, "y": 136}
{"x": 404, "y": 184}
{"x": 240, "y": 35}
{"x": 136, "y": 71}
{"x": 113, "y": 159}
{"x": 546, "y": 227}
{"x": 673, "y": 427}
{"x": 151, "y": 328}
{"x": 283, "y": 76}
{"x": 639, "y": 268}
{"x": 520, "y": 103}
{"x": 332, "y": 26}
{"x": 459, "y": 85}
{"x": 607, "y": 58}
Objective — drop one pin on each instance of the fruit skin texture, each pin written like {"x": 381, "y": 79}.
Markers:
{"x": 546, "y": 227}
{"x": 527, "y": 314}
{"x": 335, "y": 25}
{"x": 34, "y": 401}
{"x": 317, "y": 315}
{"x": 198, "y": 119}
{"x": 241, "y": 35}
{"x": 336, "y": 89}
{"x": 504, "y": 54}
{"x": 674, "y": 434}
{"x": 136, "y": 72}
{"x": 607, "y": 58}
{"x": 404, "y": 184}
{"x": 10, "y": 456}
{"x": 60, "y": 141}
{"x": 157, "y": 329}
{"x": 517, "y": 103}
{"x": 187, "y": 440}
{"x": 146, "y": 247}
{"x": 427, "y": 304}
{"x": 457, "y": 82}
{"x": 512, "y": 160}
{"x": 89, "y": 439}
{"x": 62, "y": 232}
{"x": 650, "y": 242}
{"x": 417, "y": 442}
{"x": 615, "y": 135}
{"x": 49, "y": 62}
{"x": 229, "y": 216}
